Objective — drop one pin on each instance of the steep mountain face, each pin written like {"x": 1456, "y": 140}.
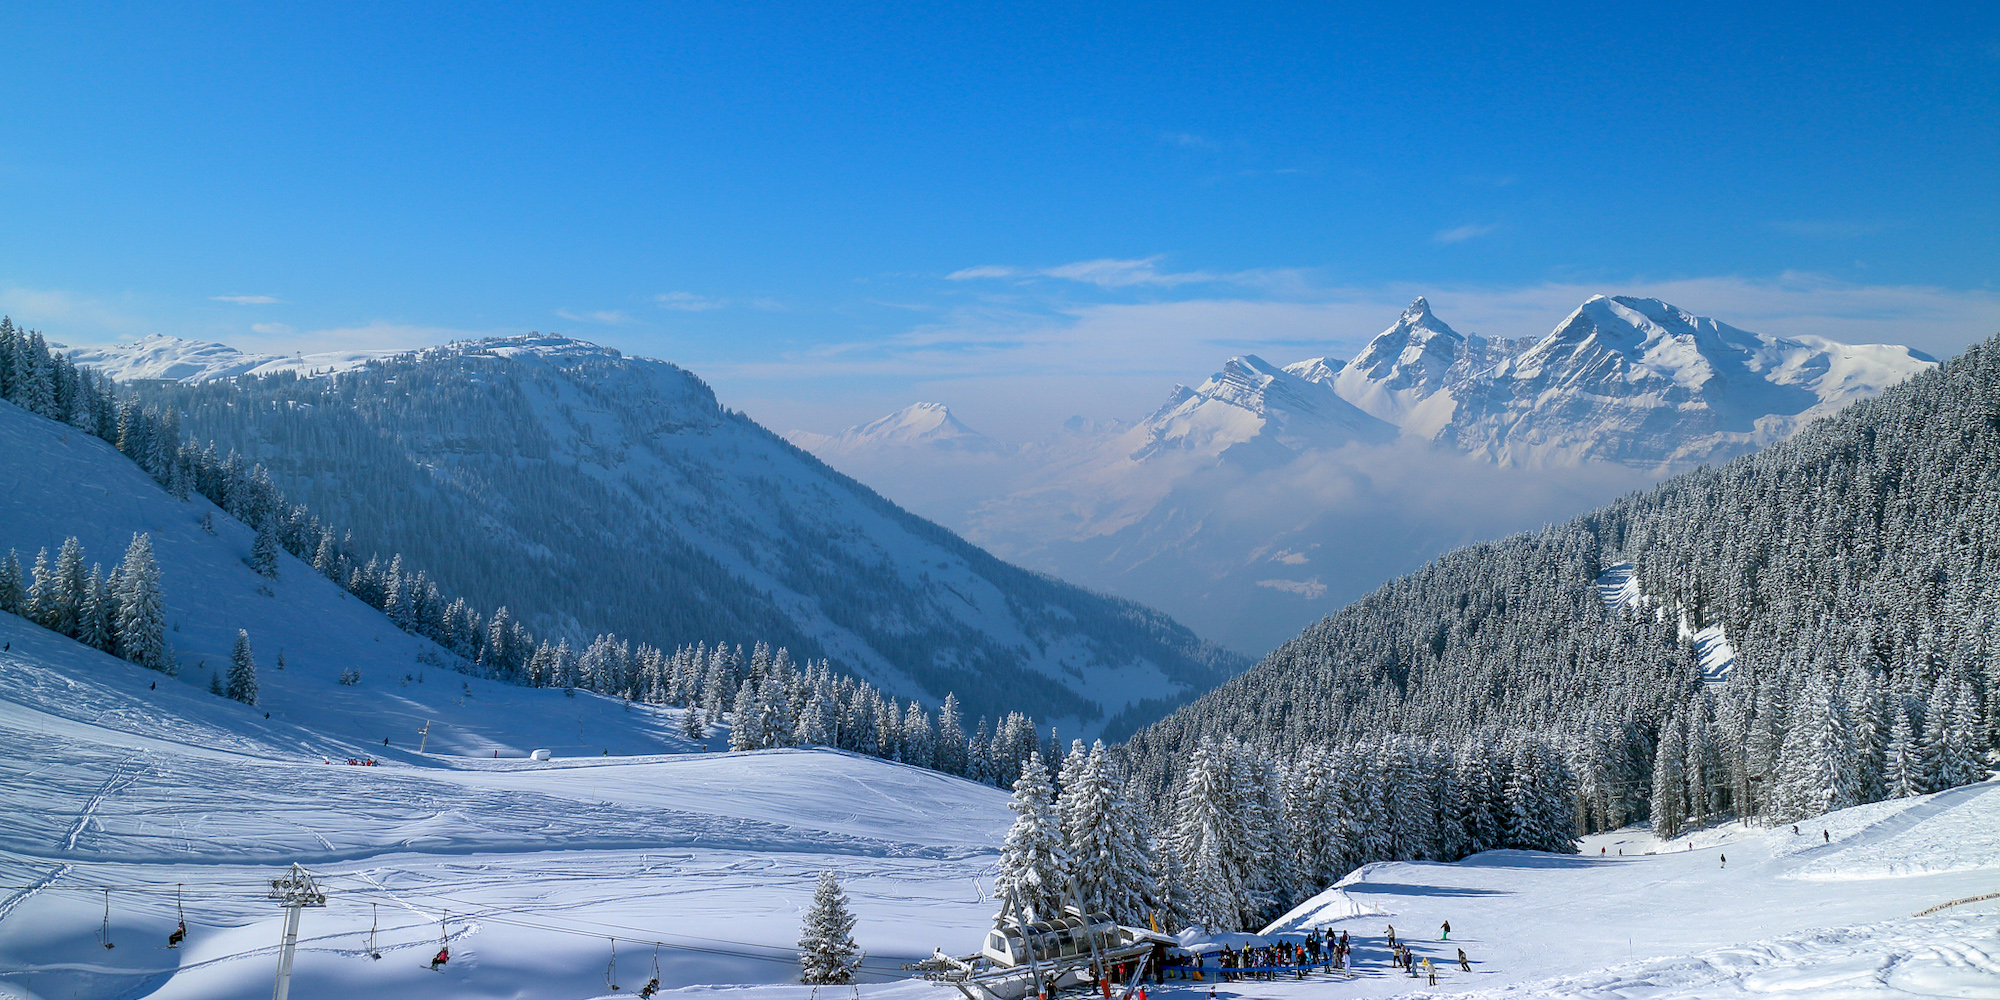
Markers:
{"x": 1642, "y": 383}
{"x": 1407, "y": 374}
{"x": 591, "y": 492}
{"x": 1250, "y": 407}
{"x": 1252, "y": 504}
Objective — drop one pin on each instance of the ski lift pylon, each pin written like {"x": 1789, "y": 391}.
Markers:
{"x": 611, "y": 967}
{"x": 374, "y": 924}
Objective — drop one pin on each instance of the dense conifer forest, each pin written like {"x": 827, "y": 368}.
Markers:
{"x": 1853, "y": 568}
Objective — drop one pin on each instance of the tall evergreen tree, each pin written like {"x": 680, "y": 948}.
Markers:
{"x": 142, "y": 616}
{"x": 242, "y": 671}
{"x": 827, "y": 953}
{"x": 1034, "y": 868}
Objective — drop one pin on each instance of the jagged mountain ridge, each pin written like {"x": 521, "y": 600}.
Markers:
{"x": 1248, "y": 504}
{"x": 594, "y": 492}
{"x": 1629, "y": 380}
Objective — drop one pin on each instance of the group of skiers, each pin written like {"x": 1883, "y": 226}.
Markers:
{"x": 1319, "y": 948}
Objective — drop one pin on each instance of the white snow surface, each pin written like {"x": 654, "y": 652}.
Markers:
{"x": 158, "y": 356}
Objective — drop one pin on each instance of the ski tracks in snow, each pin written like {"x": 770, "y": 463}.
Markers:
{"x": 1958, "y": 957}
{"x": 121, "y": 778}
{"x": 7, "y": 906}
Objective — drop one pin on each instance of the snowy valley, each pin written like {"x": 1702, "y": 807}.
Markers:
{"x": 1589, "y": 804}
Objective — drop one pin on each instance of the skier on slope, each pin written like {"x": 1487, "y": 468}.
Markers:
{"x": 1725, "y": 860}
{"x": 1431, "y": 971}
{"x": 1464, "y": 964}
{"x": 1447, "y": 931}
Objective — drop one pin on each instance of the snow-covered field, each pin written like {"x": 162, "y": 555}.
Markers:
{"x": 533, "y": 868}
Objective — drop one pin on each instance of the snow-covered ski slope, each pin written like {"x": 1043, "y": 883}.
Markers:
{"x": 533, "y": 868}
{"x": 1826, "y": 912}
{"x": 530, "y": 867}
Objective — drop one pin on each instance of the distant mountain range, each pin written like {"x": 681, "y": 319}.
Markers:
{"x": 593, "y": 492}
{"x": 1267, "y": 496}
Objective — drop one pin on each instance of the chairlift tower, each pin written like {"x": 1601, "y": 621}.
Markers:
{"x": 295, "y": 891}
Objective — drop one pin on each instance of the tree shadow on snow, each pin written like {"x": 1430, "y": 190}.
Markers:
{"x": 1404, "y": 889}
{"x": 1535, "y": 859}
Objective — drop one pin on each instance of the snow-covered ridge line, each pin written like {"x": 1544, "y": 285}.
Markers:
{"x": 163, "y": 358}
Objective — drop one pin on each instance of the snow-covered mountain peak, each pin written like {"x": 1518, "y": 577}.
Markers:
{"x": 1250, "y": 400}
{"x": 1324, "y": 369}
{"x": 1406, "y": 366}
{"x": 918, "y": 425}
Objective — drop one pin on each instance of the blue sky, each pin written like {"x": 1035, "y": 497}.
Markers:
{"x": 1021, "y": 210}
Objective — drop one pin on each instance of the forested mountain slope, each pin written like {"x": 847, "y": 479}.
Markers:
{"x": 1852, "y": 566}
{"x": 594, "y": 493}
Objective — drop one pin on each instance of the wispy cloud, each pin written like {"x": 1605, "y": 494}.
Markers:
{"x": 1460, "y": 234}
{"x": 1116, "y": 272}
{"x": 247, "y": 300}
{"x": 607, "y": 317}
{"x": 689, "y": 302}
{"x": 273, "y": 329}
{"x": 1829, "y": 229}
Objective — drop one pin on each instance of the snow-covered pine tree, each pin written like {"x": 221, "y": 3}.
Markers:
{"x": 950, "y": 742}
{"x": 1033, "y": 865}
{"x": 1105, "y": 836}
{"x": 692, "y": 725}
{"x": 264, "y": 551}
{"x": 1219, "y": 833}
{"x": 827, "y": 953}
{"x": 1960, "y": 744}
{"x": 242, "y": 671}
{"x": 94, "y": 624}
{"x": 1669, "y": 801}
{"x": 72, "y": 588}
{"x": 746, "y": 720}
{"x": 1816, "y": 772}
{"x": 13, "y": 596}
{"x": 1902, "y": 765}
{"x": 142, "y": 616}
{"x": 41, "y": 603}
